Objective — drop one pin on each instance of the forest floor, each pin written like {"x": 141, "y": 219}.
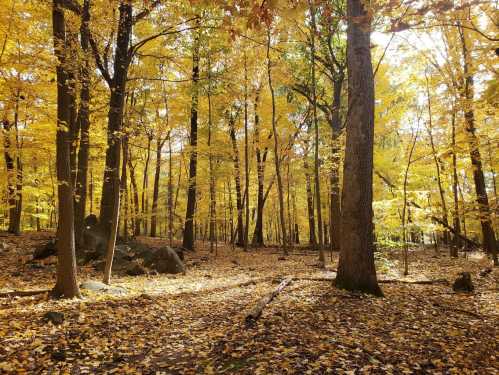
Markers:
{"x": 195, "y": 323}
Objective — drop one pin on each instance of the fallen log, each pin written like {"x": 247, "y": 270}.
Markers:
{"x": 23, "y": 293}
{"x": 472, "y": 243}
{"x": 256, "y": 312}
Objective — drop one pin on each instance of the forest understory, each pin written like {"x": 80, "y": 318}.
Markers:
{"x": 195, "y": 323}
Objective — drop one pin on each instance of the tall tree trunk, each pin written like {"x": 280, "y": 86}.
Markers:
{"x": 188, "y": 240}
{"x": 356, "y": 270}
{"x": 124, "y": 187}
{"x": 145, "y": 186}
{"x": 12, "y": 201}
{"x": 237, "y": 178}
{"x": 110, "y": 188}
{"x": 84, "y": 126}
{"x": 66, "y": 284}
{"x": 246, "y": 156}
{"x": 135, "y": 194}
{"x": 489, "y": 240}
{"x": 335, "y": 196}
{"x": 456, "y": 242}
{"x": 313, "y": 31}
{"x": 170, "y": 191}
{"x": 437, "y": 164}
{"x": 277, "y": 163}
{"x": 213, "y": 202}
{"x": 154, "y": 217}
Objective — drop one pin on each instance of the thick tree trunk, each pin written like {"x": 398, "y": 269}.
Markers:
{"x": 66, "y": 284}
{"x": 356, "y": 270}
{"x": 12, "y": 193}
{"x": 188, "y": 240}
{"x": 115, "y": 117}
{"x": 489, "y": 240}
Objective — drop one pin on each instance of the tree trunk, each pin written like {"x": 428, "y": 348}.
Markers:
{"x": 456, "y": 241}
{"x": 246, "y": 156}
{"x": 318, "y": 205}
{"x": 135, "y": 194}
{"x": 124, "y": 188}
{"x": 170, "y": 191}
{"x": 66, "y": 284}
{"x": 237, "y": 178}
{"x": 335, "y": 197}
{"x": 110, "y": 190}
{"x": 276, "y": 149}
{"x": 356, "y": 270}
{"x": 489, "y": 240}
{"x": 188, "y": 240}
{"x": 145, "y": 186}
{"x": 84, "y": 126}
{"x": 155, "y": 196}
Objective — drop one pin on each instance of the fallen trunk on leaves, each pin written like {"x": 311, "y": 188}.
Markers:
{"x": 22, "y": 293}
{"x": 256, "y": 312}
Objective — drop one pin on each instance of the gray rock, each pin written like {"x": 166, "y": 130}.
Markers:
{"x": 98, "y": 287}
{"x": 135, "y": 269}
{"x": 166, "y": 260}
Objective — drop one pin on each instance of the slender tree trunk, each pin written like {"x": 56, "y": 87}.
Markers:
{"x": 246, "y": 155}
{"x": 456, "y": 242}
{"x": 170, "y": 191}
{"x": 145, "y": 186}
{"x": 335, "y": 197}
{"x": 66, "y": 284}
{"x": 237, "y": 178}
{"x": 437, "y": 164}
{"x": 124, "y": 188}
{"x": 154, "y": 217}
{"x": 489, "y": 240}
{"x": 320, "y": 243}
{"x": 188, "y": 240}
{"x": 356, "y": 270}
{"x": 213, "y": 202}
{"x": 135, "y": 195}
{"x": 84, "y": 126}
{"x": 276, "y": 149}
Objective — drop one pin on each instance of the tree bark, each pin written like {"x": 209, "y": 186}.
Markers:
{"x": 188, "y": 240}
{"x": 66, "y": 284}
{"x": 489, "y": 240}
{"x": 145, "y": 186}
{"x": 356, "y": 270}
{"x": 84, "y": 126}
{"x": 154, "y": 216}
{"x": 237, "y": 178}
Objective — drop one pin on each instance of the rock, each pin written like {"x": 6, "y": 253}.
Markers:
{"x": 98, "y": 287}
{"x": 463, "y": 283}
{"x": 94, "y": 236}
{"x": 135, "y": 269}
{"x": 54, "y": 317}
{"x": 46, "y": 250}
{"x": 166, "y": 260}
{"x": 485, "y": 272}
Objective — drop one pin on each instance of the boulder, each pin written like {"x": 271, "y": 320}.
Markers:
{"x": 45, "y": 250}
{"x": 94, "y": 236}
{"x": 166, "y": 260}
{"x": 135, "y": 269}
{"x": 463, "y": 283}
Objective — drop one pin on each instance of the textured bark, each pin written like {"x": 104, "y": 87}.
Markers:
{"x": 115, "y": 116}
{"x": 356, "y": 270}
{"x": 456, "y": 241}
{"x": 135, "y": 195}
{"x": 84, "y": 126}
{"x": 489, "y": 240}
{"x": 246, "y": 155}
{"x": 188, "y": 240}
{"x": 13, "y": 194}
{"x": 66, "y": 284}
